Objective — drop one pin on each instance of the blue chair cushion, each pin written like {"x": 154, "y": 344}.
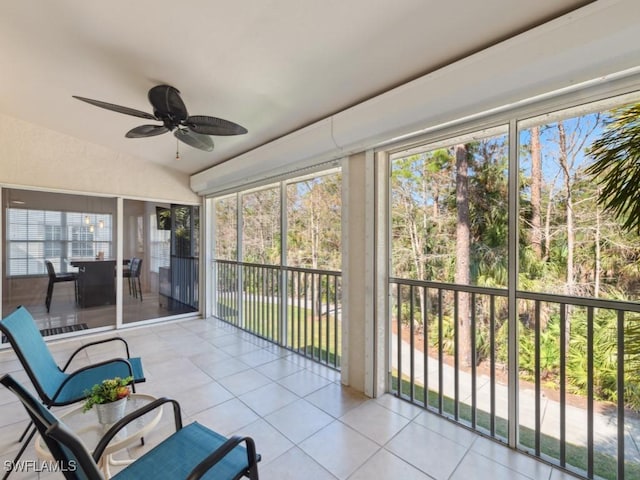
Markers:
{"x": 20, "y": 327}
{"x": 76, "y": 387}
{"x": 136, "y": 365}
{"x": 43, "y": 370}
{"x": 191, "y": 445}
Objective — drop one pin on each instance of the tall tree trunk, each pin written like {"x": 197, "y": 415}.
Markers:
{"x": 463, "y": 240}
{"x": 536, "y": 193}
{"x": 598, "y": 262}
{"x": 417, "y": 233}
{"x": 547, "y": 227}
{"x": 564, "y": 164}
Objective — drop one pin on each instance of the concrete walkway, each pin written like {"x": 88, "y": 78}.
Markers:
{"x": 605, "y": 423}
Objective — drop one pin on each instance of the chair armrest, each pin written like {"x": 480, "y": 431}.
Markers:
{"x": 123, "y": 422}
{"x": 90, "y": 367}
{"x": 224, "y": 449}
{"x": 91, "y": 344}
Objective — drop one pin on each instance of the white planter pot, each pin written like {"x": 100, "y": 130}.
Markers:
{"x": 109, "y": 413}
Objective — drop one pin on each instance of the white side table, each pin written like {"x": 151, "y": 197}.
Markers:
{"x": 86, "y": 426}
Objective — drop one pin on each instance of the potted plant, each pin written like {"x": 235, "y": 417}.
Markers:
{"x": 109, "y": 397}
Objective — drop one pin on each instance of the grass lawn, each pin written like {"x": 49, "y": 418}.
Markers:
{"x": 316, "y": 336}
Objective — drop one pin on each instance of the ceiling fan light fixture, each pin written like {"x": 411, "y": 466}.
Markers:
{"x": 169, "y": 109}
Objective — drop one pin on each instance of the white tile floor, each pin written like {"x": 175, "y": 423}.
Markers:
{"x": 305, "y": 424}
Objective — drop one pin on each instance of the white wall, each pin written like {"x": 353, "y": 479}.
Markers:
{"x": 33, "y": 156}
{"x": 592, "y": 44}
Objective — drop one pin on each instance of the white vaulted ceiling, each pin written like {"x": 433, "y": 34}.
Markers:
{"x": 273, "y": 66}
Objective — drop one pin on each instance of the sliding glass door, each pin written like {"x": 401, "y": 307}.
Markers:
{"x": 60, "y": 259}
{"x": 160, "y": 250}
{"x": 51, "y": 237}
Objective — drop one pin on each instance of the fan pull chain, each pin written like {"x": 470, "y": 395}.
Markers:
{"x": 177, "y": 149}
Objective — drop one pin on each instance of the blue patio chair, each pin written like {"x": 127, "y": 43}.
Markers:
{"x": 54, "y": 385}
{"x": 192, "y": 452}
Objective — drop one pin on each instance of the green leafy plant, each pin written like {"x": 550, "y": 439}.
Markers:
{"x": 108, "y": 391}
{"x": 616, "y": 166}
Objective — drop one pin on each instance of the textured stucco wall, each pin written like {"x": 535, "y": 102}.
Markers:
{"x": 33, "y": 156}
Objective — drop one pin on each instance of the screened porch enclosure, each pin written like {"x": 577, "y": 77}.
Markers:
{"x": 510, "y": 299}
{"x": 513, "y": 290}
{"x": 304, "y": 317}
{"x": 556, "y": 423}
{"x": 276, "y": 272}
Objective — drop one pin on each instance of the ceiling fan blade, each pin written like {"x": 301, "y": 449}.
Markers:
{"x": 213, "y": 126}
{"x": 146, "y": 131}
{"x": 193, "y": 139}
{"x": 117, "y": 108}
{"x": 167, "y": 103}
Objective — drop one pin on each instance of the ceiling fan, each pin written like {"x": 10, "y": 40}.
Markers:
{"x": 169, "y": 109}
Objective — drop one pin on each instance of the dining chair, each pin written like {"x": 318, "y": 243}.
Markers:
{"x": 133, "y": 276}
{"x": 193, "y": 452}
{"x": 57, "y": 278}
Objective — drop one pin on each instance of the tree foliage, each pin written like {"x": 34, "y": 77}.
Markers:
{"x": 313, "y": 224}
{"x": 570, "y": 242}
{"x": 617, "y": 166}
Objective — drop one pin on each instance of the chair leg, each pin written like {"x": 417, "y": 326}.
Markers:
{"x": 49, "y": 295}
{"x": 140, "y": 288}
{"x": 22, "y": 449}
{"x": 26, "y": 430}
{"x": 252, "y": 473}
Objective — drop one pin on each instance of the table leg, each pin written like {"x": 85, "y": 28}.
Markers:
{"x": 103, "y": 464}
{"x": 113, "y": 461}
